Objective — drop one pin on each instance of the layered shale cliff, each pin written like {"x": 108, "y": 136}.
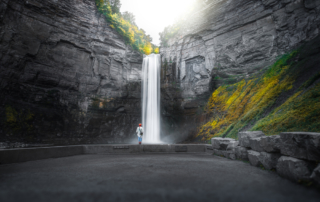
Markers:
{"x": 66, "y": 77}
{"x": 224, "y": 43}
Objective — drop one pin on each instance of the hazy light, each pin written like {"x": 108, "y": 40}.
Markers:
{"x": 154, "y": 15}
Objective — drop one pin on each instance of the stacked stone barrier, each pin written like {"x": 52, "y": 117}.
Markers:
{"x": 293, "y": 155}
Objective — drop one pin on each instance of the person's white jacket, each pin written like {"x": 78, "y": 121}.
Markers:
{"x": 138, "y": 131}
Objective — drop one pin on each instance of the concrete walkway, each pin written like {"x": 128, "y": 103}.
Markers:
{"x": 145, "y": 177}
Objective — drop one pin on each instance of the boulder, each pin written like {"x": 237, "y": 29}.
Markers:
{"x": 254, "y": 158}
{"x": 4, "y": 145}
{"x": 241, "y": 153}
{"x": 218, "y": 152}
{"x": 230, "y": 154}
{"x": 271, "y": 143}
{"x": 246, "y": 135}
{"x": 294, "y": 169}
{"x": 224, "y": 153}
{"x": 232, "y": 145}
{"x": 221, "y": 143}
{"x": 269, "y": 160}
{"x": 316, "y": 175}
{"x": 302, "y": 145}
{"x": 255, "y": 144}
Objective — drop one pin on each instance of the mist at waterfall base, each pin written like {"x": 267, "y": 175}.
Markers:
{"x": 151, "y": 99}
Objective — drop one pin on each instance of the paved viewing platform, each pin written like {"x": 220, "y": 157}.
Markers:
{"x": 37, "y": 153}
{"x": 139, "y": 173}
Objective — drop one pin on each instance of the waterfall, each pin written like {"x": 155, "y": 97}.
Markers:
{"x": 151, "y": 98}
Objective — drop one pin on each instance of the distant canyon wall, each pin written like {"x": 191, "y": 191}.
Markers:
{"x": 66, "y": 77}
{"x": 225, "y": 42}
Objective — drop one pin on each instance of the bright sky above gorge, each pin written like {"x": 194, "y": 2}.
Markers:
{"x": 153, "y": 15}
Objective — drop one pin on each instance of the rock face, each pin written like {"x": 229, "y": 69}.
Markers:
{"x": 225, "y": 42}
{"x": 65, "y": 75}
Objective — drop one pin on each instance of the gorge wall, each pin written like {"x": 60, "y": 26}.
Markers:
{"x": 224, "y": 43}
{"x": 66, "y": 77}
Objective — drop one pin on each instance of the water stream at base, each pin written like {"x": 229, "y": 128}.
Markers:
{"x": 151, "y": 98}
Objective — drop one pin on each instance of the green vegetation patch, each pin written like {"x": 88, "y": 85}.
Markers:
{"x": 246, "y": 104}
{"x": 124, "y": 24}
{"x": 300, "y": 112}
{"x": 18, "y": 121}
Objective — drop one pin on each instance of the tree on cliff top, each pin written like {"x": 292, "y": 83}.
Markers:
{"x": 129, "y": 17}
{"x": 132, "y": 35}
{"x": 115, "y": 6}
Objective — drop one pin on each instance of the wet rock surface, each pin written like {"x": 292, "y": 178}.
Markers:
{"x": 66, "y": 77}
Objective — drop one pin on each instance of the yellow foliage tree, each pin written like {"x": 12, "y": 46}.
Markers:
{"x": 148, "y": 48}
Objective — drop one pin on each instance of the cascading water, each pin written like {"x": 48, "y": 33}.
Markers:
{"x": 151, "y": 99}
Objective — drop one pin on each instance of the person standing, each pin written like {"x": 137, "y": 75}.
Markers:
{"x": 139, "y": 132}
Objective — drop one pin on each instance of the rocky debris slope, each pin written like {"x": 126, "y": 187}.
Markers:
{"x": 294, "y": 155}
{"x": 66, "y": 76}
{"x": 225, "y": 42}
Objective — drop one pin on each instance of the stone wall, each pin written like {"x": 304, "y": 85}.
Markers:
{"x": 66, "y": 77}
{"x": 293, "y": 155}
{"x": 225, "y": 42}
